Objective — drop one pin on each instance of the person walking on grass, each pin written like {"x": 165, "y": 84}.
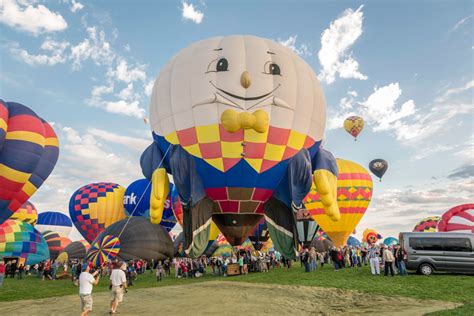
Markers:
{"x": 388, "y": 259}
{"x": 159, "y": 271}
{"x": 86, "y": 283}
{"x": 118, "y": 284}
{"x": 374, "y": 260}
{"x": 2, "y": 272}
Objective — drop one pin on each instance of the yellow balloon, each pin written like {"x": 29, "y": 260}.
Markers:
{"x": 354, "y": 192}
{"x": 354, "y": 125}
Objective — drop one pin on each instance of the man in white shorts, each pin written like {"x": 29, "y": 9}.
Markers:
{"x": 86, "y": 283}
{"x": 118, "y": 284}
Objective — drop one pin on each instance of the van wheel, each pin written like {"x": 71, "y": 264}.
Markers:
{"x": 426, "y": 269}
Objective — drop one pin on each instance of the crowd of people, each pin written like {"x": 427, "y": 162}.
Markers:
{"x": 390, "y": 258}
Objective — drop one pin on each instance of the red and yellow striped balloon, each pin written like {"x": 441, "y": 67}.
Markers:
{"x": 29, "y": 150}
{"x": 354, "y": 192}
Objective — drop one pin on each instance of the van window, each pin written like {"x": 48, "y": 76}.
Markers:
{"x": 457, "y": 244}
{"x": 422, "y": 243}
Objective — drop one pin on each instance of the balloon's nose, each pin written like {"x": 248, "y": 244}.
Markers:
{"x": 245, "y": 79}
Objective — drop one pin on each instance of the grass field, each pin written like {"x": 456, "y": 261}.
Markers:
{"x": 446, "y": 287}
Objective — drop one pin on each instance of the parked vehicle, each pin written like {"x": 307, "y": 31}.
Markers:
{"x": 429, "y": 252}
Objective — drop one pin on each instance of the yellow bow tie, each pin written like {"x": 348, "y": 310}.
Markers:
{"x": 232, "y": 121}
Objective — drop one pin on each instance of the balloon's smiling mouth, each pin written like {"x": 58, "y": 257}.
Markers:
{"x": 244, "y": 98}
{"x": 222, "y": 96}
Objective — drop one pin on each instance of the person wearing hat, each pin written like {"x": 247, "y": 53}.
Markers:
{"x": 118, "y": 284}
{"x": 86, "y": 283}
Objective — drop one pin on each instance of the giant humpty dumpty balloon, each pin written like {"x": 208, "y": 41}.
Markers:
{"x": 238, "y": 122}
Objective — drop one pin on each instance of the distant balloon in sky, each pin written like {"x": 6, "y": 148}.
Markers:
{"x": 29, "y": 150}
{"x": 459, "y": 219}
{"x": 354, "y": 125}
{"x": 378, "y": 167}
{"x": 96, "y": 206}
{"x": 54, "y": 221}
{"x": 26, "y": 213}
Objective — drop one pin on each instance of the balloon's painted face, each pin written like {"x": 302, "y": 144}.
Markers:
{"x": 220, "y": 93}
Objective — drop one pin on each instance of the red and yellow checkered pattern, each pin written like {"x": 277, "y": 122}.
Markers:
{"x": 238, "y": 200}
{"x": 354, "y": 192}
{"x": 223, "y": 149}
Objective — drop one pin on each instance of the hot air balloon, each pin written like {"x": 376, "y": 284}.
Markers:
{"x": 354, "y": 242}
{"x": 56, "y": 243}
{"x": 225, "y": 250}
{"x": 29, "y": 150}
{"x": 370, "y": 236}
{"x": 354, "y": 192}
{"x": 138, "y": 239}
{"x": 237, "y": 131}
{"x": 26, "y": 213}
{"x": 260, "y": 234}
{"x": 20, "y": 239}
{"x": 137, "y": 201}
{"x": 354, "y": 125}
{"x": 75, "y": 250}
{"x": 96, "y": 206}
{"x": 54, "y": 221}
{"x": 390, "y": 241}
{"x": 378, "y": 167}
{"x": 428, "y": 224}
{"x": 176, "y": 205}
{"x": 459, "y": 219}
{"x": 321, "y": 244}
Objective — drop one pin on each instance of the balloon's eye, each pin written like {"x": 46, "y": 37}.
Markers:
{"x": 275, "y": 69}
{"x": 272, "y": 69}
{"x": 222, "y": 65}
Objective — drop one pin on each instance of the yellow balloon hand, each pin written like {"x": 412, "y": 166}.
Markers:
{"x": 160, "y": 188}
{"x": 326, "y": 185}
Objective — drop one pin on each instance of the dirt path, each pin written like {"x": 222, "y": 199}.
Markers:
{"x": 226, "y": 298}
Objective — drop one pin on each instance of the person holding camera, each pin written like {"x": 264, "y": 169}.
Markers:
{"x": 86, "y": 283}
{"x": 118, "y": 285}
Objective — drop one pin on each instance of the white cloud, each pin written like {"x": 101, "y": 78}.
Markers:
{"x": 454, "y": 91}
{"x": 460, "y": 23}
{"x": 25, "y": 16}
{"x": 97, "y": 91}
{"x": 191, "y": 13}
{"x": 290, "y": 42}
{"x": 128, "y": 74}
{"x": 127, "y": 92}
{"x": 56, "y": 49}
{"x": 135, "y": 143}
{"x": 94, "y": 47}
{"x": 149, "y": 88}
{"x": 402, "y": 209}
{"x": 76, "y": 6}
{"x": 335, "y": 55}
{"x": 123, "y": 107}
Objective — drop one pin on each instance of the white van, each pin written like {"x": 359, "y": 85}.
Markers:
{"x": 429, "y": 252}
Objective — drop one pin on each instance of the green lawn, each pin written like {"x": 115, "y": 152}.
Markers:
{"x": 456, "y": 288}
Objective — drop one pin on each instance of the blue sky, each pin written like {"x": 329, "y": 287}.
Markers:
{"x": 406, "y": 67}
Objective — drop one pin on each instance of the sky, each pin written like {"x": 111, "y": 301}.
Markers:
{"x": 405, "y": 67}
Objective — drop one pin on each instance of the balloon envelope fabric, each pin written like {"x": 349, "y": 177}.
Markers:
{"x": 354, "y": 192}
{"x": 458, "y": 219}
{"x": 428, "y": 224}
{"x": 26, "y": 213}
{"x": 20, "y": 239}
{"x": 96, "y": 206}
{"x": 139, "y": 239}
{"x": 29, "y": 150}
{"x": 56, "y": 243}
{"x": 389, "y": 241}
{"x": 54, "y": 221}
{"x": 75, "y": 250}
{"x": 103, "y": 250}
